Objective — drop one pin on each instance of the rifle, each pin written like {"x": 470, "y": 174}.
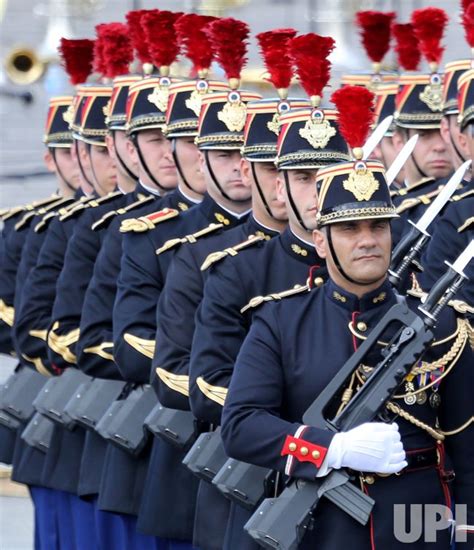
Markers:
{"x": 282, "y": 522}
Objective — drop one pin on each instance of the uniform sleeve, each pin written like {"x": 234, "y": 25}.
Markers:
{"x": 78, "y": 267}
{"x": 252, "y": 428}
{"x": 179, "y": 300}
{"x": 457, "y": 421}
{"x": 218, "y": 319}
{"x": 95, "y": 348}
{"x": 34, "y": 317}
{"x": 134, "y": 317}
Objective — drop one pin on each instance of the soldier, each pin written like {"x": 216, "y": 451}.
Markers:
{"x": 454, "y": 231}
{"x": 278, "y": 375}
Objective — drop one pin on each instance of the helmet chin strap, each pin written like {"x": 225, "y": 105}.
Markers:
{"x": 120, "y": 159}
{"x": 292, "y": 202}
{"x": 98, "y": 184}
{"x": 337, "y": 263}
{"x": 59, "y": 171}
{"x": 456, "y": 150}
{"x": 216, "y": 181}
{"x": 145, "y": 165}
{"x": 260, "y": 190}
{"x": 79, "y": 163}
{"x": 417, "y": 166}
{"x": 179, "y": 168}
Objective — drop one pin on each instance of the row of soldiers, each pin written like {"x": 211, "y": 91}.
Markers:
{"x": 212, "y": 257}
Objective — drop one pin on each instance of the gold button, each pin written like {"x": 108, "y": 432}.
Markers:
{"x": 315, "y": 454}
{"x": 304, "y": 451}
{"x": 318, "y": 281}
{"x": 370, "y": 480}
{"x": 292, "y": 446}
{"x": 361, "y": 326}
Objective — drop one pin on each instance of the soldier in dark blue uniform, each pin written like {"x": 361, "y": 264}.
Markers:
{"x": 419, "y": 111}
{"x": 140, "y": 284}
{"x": 230, "y": 294}
{"x": 453, "y": 231}
{"x": 296, "y": 345}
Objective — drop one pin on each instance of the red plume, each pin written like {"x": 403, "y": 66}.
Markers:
{"x": 465, "y": 4}
{"x": 77, "y": 58}
{"x": 99, "y": 65}
{"x": 161, "y": 36}
{"x": 408, "y": 53}
{"x": 228, "y": 38}
{"x": 193, "y": 41}
{"x": 355, "y": 106}
{"x": 468, "y": 23}
{"x": 117, "y": 49}
{"x": 274, "y": 46}
{"x": 135, "y": 29}
{"x": 375, "y": 32}
{"x": 429, "y": 25}
{"x": 309, "y": 53}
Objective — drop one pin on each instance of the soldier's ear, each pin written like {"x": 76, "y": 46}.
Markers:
{"x": 320, "y": 240}
{"x": 245, "y": 171}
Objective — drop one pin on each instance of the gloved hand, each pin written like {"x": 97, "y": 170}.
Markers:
{"x": 371, "y": 447}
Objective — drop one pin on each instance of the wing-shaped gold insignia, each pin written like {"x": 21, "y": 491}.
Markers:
{"x": 214, "y": 393}
{"x": 143, "y": 346}
{"x": 177, "y": 382}
{"x": 100, "y": 350}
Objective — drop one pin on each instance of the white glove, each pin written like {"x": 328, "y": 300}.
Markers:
{"x": 371, "y": 447}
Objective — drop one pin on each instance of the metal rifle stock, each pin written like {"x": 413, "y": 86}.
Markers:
{"x": 282, "y": 522}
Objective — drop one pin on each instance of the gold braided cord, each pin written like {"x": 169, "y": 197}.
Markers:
{"x": 314, "y": 157}
{"x": 460, "y": 429}
{"x": 218, "y": 138}
{"x": 358, "y": 213}
{"x": 394, "y": 408}
{"x": 452, "y": 357}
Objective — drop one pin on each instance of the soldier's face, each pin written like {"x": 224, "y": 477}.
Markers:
{"x": 117, "y": 144}
{"x": 187, "y": 154}
{"x": 65, "y": 165}
{"x": 226, "y": 167}
{"x": 156, "y": 151}
{"x": 451, "y": 134}
{"x": 302, "y": 184}
{"x": 362, "y": 249}
{"x": 266, "y": 174}
{"x": 466, "y": 141}
{"x": 103, "y": 168}
{"x": 430, "y": 155}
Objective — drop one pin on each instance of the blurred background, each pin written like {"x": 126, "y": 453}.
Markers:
{"x": 30, "y": 72}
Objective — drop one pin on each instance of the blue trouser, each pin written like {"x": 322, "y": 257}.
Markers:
{"x": 46, "y": 528}
{"x": 85, "y": 533}
{"x": 64, "y": 517}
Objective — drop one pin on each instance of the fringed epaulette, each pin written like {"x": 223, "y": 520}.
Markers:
{"x": 146, "y": 223}
{"x": 259, "y": 300}
{"x": 28, "y": 218}
{"x": 217, "y": 256}
{"x": 173, "y": 243}
{"x": 94, "y": 203}
{"x": 8, "y": 213}
{"x": 46, "y": 220}
{"x": 458, "y": 305}
{"x": 407, "y": 190}
{"x": 466, "y": 225}
{"x": 410, "y": 203}
{"x": 105, "y": 221}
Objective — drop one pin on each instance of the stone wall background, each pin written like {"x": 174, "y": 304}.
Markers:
{"x": 24, "y": 23}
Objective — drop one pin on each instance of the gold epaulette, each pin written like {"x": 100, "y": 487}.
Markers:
{"x": 146, "y": 223}
{"x": 93, "y": 203}
{"x": 172, "y": 243}
{"x": 27, "y": 218}
{"x": 177, "y": 382}
{"x": 217, "y": 394}
{"x": 259, "y": 300}
{"x": 406, "y": 190}
{"x": 215, "y": 257}
{"x": 46, "y": 220}
{"x": 409, "y": 203}
{"x": 458, "y": 305}
{"x": 104, "y": 222}
{"x": 466, "y": 225}
{"x": 100, "y": 350}
{"x": 461, "y": 196}
{"x": 8, "y": 213}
